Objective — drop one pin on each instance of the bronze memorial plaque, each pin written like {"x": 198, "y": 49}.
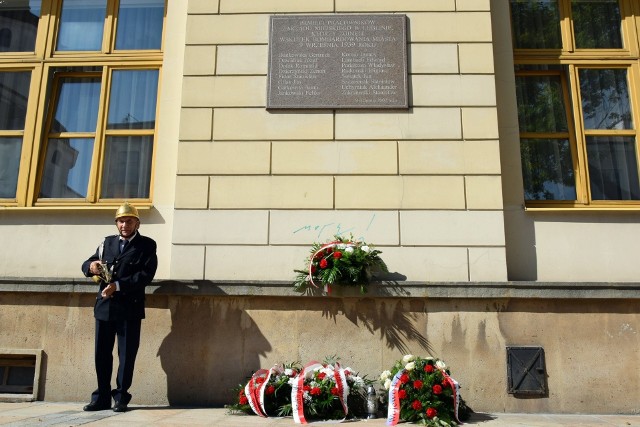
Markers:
{"x": 337, "y": 61}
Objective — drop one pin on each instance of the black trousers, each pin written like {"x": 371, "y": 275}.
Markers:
{"x": 128, "y": 334}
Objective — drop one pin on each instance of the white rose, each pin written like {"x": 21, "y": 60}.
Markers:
{"x": 349, "y": 249}
{"x": 387, "y": 384}
{"x": 341, "y": 246}
{"x": 409, "y": 366}
{"x": 365, "y": 248}
{"x": 441, "y": 365}
{"x": 385, "y": 375}
{"x": 408, "y": 358}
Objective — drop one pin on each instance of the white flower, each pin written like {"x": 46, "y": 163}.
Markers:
{"x": 357, "y": 381}
{"x": 387, "y": 384}
{"x": 408, "y": 358}
{"x": 365, "y": 248}
{"x": 288, "y": 372}
{"x": 410, "y": 366}
{"x": 385, "y": 375}
{"x": 341, "y": 246}
{"x": 349, "y": 249}
{"x": 428, "y": 358}
{"x": 440, "y": 364}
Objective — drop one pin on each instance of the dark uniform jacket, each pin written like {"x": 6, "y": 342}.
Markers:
{"x": 133, "y": 269}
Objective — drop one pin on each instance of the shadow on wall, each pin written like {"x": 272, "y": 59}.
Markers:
{"x": 203, "y": 358}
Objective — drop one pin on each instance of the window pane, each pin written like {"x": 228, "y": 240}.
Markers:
{"x": 535, "y": 24}
{"x": 540, "y": 104}
{"x": 10, "y": 149}
{"x": 77, "y": 106}
{"x": 81, "y": 25}
{"x": 14, "y": 92}
{"x": 19, "y": 22}
{"x": 547, "y": 169}
{"x": 127, "y": 167}
{"x": 613, "y": 168}
{"x": 140, "y": 24}
{"x": 605, "y": 99}
{"x": 597, "y": 24}
{"x": 133, "y": 99}
{"x": 67, "y": 168}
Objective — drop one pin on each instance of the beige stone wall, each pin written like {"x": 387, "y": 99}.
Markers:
{"x": 255, "y": 188}
{"x": 196, "y": 348}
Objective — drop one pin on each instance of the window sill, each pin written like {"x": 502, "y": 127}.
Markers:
{"x": 100, "y": 207}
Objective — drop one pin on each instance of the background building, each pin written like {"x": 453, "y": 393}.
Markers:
{"x": 505, "y": 199}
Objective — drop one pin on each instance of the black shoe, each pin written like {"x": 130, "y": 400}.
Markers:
{"x": 120, "y": 407}
{"x": 96, "y": 406}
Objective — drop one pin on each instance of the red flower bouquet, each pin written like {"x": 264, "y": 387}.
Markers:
{"x": 341, "y": 261}
{"x": 421, "y": 391}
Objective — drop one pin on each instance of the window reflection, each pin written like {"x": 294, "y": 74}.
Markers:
{"x": 605, "y": 99}
{"x": 613, "y": 168}
{"x": 127, "y": 167}
{"x": 540, "y": 104}
{"x": 19, "y": 25}
{"x": 597, "y": 24}
{"x": 10, "y": 149}
{"x": 140, "y": 24}
{"x": 535, "y": 24}
{"x": 547, "y": 169}
{"x": 77, "y": 106}
{"x": 81, "y": 25}
{"x": 67, "y": 168}
{"x": 133, "y": 99}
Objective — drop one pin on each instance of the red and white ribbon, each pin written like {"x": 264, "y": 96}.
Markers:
{"x": 297, "y": 390}
{"x": 340, "y": 378}
{"x": 393, "y": 414}
{"x": 455, "y": 387}
{"x": 297, "y": 393}
{"x": 254, "y": 390}
{"x": 327, "y": 288}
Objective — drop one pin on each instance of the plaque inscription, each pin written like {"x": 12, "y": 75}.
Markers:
{"x": 337, "y": 61}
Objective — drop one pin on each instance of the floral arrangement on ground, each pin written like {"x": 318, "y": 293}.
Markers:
{"x": 421, "y": 390}
{"x": 342, "y": 261}
{"x": 314, "y": 392}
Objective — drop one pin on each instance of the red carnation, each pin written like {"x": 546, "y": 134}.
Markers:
{"x": 347, "y": 372}
{"x": 416, "y": 405}
{"x": 437, "y": 389}
{"x": 323, "y": 263}
{"x": 428, "y": 368}
{"x": 315, "y": 391}
{"x": 270, "y": 390}
{"x": 404, "y": 378}
{"x": 306, "y": 387}
{"x": 313, "y": 269}
{"x": 431, "y": 412}
{"x": 417, "y": 384}
{"x": 402, "y": 394}
{"x": 243, "y": 400}
{"x": 334, "y": 391}
{"x": 337, "y": 254}
{"x": 321, "y": 375}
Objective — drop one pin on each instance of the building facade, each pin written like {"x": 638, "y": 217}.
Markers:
{"x": 504, "y": 199}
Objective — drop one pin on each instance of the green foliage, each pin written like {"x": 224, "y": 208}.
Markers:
{"x": 342, "y": 261}
{"x": 425, "y": 393}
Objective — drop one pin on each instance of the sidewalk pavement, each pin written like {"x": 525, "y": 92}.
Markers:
{"x": 71, "y": 414}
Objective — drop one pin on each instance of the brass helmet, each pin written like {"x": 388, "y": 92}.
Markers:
{"x": 127, "y": 210}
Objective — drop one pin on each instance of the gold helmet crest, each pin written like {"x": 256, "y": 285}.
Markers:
{"x": 127, "y": 210}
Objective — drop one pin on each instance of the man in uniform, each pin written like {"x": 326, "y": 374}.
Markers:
{"x": 123, "y": 265}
